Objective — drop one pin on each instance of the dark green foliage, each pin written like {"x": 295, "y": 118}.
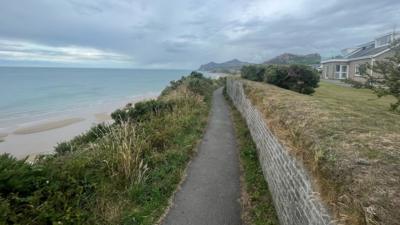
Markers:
{"x": 63, "y": 147}
{"x": 141, "y": 111}
{"x": 253, "y": 72}
{"x": 299, "y": 78}
{"x": 93, "y": 134}
{"x": 17, "y": 176}
{"x": 41, "y": 193}
{"x": 195, "y": 82}
{"x": 276, "y": 74}
{"x": 195, "y": 74}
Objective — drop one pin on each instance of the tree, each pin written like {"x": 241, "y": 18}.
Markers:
{"x": 299, "y": 78}
{"x": 253, "y": 72}
{"x": 388, "y": 80}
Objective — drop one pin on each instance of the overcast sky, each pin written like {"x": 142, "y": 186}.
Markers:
{"x": 183, "y": 33}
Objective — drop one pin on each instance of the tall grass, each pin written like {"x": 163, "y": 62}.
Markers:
{"x": 122, "y": 152}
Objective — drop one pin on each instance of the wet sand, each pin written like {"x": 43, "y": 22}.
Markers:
{"x": 47, "y": 126}
{"x": 2, "y": 136}
{"x": 43, "y": 137}
{"x": 102, "y": 117}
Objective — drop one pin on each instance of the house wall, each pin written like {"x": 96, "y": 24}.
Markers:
{"x": 353, "y": 64}
{"x": 352, "y": 69}
{"x": 329, "y": 69}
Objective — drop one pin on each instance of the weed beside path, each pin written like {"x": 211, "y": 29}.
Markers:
{"x": 257, "y": 203}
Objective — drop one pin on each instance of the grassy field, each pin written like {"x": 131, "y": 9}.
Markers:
{"x": 124, "y": 173}
{"x": 256, "y": 200}
{"x": 348, "y": 139}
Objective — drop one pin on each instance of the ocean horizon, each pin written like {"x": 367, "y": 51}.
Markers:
{"x": 31, "y": 94}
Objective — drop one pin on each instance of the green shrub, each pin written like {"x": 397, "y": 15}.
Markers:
{"x": 299, "y": 78}
{"x": 141, "y": 111}
{"x": 253, "y": 72}
{"x": 195, "y": 82}
{"x": 63, "y": 147}
{"x": 91, "y": 135}
{"x": 17, "y": 176}
{"x": 276, "y": 74}
{"x": 41, "y": 193}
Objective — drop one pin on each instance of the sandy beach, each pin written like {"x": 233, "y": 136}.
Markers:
{"x": 40, "y": 137}
{"x": 47, "y": 126}
{"x": 102, "y": 117}
{"x": 2, "y": 136}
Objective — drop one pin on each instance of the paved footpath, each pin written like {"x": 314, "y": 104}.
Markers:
{"x": 210, "y": 194}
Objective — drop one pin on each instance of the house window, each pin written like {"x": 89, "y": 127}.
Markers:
{"x": 357, "y": 70}
{"x": 341, "y": 72}
{"x": 326, "y": 71}
{"x": 361, "y": 70}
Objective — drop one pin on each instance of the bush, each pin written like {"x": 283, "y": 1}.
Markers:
{"x": 93, "y": 134}
{"x": 276, "y": 74}
{"x": 195, "y": 82}
{"x": 41, "y": 193}
{"x": 141, "y": 111}
{"x": 17, "y": 176}
{"x": 299, "y": 78}
{"x": 253, "y": 72}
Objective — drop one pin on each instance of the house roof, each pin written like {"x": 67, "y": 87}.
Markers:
{"x": 367, "y": 51}
{"x": 363, "y": 53}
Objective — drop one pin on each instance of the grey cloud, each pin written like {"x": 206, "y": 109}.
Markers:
{"x": 184, "y": 34}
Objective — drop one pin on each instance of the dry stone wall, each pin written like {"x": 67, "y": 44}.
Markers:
{"x": 295, "y": 200}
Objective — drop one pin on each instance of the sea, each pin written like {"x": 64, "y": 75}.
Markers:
{"x": 34, "y": 94}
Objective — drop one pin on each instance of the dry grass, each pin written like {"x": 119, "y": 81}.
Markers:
{"x": 121, "y": 151}
{"x": 348, "y": 139}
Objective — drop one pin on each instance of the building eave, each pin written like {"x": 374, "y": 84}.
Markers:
{"x": 334, "y": 60}
{"x": 358, "y": 58}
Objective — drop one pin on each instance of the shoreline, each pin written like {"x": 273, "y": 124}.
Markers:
{"x": 40, "y": 137}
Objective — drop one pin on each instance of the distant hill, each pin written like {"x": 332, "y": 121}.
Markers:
{"x": 288, "y": 58}
{"x": 222, "y": 67}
